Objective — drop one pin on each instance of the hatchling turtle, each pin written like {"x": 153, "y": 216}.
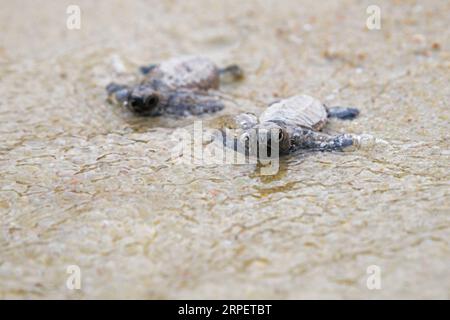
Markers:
{"x": 295, "y": 123}
{"x": 179, "y": 86}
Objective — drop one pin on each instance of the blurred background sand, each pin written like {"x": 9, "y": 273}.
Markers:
{"x": 85, "y": 183}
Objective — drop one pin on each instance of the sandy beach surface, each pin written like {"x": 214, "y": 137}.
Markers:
{"x": 87, "y": 184}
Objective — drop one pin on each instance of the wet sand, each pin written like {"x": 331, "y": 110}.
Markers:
{"x": 86, "y": 183}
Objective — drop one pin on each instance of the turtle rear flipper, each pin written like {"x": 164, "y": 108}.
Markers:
{"x": 147, "y": 69}
{"x": 233, "y": 71}
{"x": 303, "y": 138}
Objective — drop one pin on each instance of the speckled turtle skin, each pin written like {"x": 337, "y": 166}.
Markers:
{"x": 295, "y": 123}
{"x": 180, "y": 86}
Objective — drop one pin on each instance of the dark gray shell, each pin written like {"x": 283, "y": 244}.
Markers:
{"x": 186, "y": 72}
{"x": 297, "y": 111}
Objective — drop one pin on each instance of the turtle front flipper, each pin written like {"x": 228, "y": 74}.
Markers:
{"x": 303, "y": 138}
{"x": 233, "y": 128}
{"x": 190, "y": 102}
{"x": 245, "y": 121}
{"x": 117, "y": 93}
{"x": 343, "y": 113}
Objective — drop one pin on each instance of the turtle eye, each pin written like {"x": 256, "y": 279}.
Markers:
{"x": 245, "y": 138}
{"x": 280, "y": 135}
{"x": 151, "y": 101}
{"x": 136, "y": 102}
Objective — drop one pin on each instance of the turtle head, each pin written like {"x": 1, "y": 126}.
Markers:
{"x": 144, "y": 101}
{"x": 265, "y": 137}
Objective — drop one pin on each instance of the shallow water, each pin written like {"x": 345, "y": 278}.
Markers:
{"x": 85, "y": 183}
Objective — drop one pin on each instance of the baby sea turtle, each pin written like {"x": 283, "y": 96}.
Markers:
{"x": 294, "y": 122}
{"x": 178, "y": 86}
